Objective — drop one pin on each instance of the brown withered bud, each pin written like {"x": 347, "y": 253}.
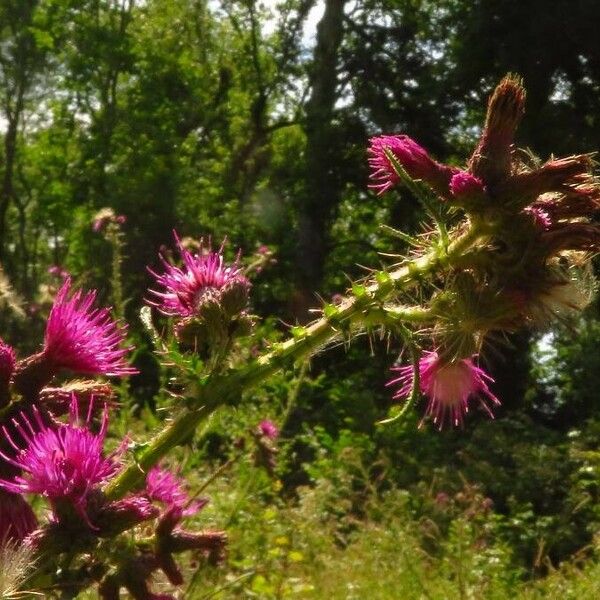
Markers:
{"x": 211, "y": 543}
{"x": 170, "y": 539}
{"x": 572, "y": 236}
{"x": 557, "y": 175}
{"x": 577, "y": 200}
{"x": 58, "y": 399}
{"x": 492, "y": 159}
{"x": 135, "y": 576}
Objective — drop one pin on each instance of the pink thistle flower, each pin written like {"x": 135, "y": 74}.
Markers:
{"x": 84, "y": 339}
{"x": 463, "y": 185}
{"x": 413, "y": 157}
{"x": 164, "y": 486}
{"x": 202, "y": 277}
{"x": 64, "y": 464}
{"x": 449, "y": 386}
{"x": 17, "y": 520}
{"x": 268, "y": 429}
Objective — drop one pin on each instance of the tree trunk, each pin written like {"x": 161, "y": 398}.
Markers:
{"x": 10, "y": 153}
{"x": 322, "y": 188}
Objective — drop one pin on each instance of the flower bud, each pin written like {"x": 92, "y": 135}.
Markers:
{"x": 413, "y": 158}
{"x": 17, "y": 519}
{"x": 467, "y": 190}
{"x": 491, "y": 160}
{"x": 115, "y": 517}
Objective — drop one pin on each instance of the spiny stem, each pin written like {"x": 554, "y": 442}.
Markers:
{"x": 218, "y": 389}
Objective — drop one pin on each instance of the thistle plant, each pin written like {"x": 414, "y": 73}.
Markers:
{"x": 508, "y": 247}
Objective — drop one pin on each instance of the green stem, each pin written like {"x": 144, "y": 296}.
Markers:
{"x": 216, "y": 390}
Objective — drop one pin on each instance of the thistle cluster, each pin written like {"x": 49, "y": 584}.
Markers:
{"x": 529, "y": 263}
{"x": 65, "y": 462}
{"x": 39, "y": 454}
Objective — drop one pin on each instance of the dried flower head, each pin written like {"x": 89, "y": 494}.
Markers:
{"x": 63, "y": 463}
{"x": 82, "y": 338}
{"x": 413, "y": 157}
{"x": 204, "y": 277}
{"x": 448, "y": 385}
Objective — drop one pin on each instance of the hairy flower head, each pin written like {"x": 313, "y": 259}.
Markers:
{"x": 467, "y": 186}
{"x": 164, "y": 486}
{"x": 448, "y": 385}
{"x": 63, "y": 463}
{"x": 203, "y": 277}
{"x": 413, "y": 158}
{"x": 82, "y": 338}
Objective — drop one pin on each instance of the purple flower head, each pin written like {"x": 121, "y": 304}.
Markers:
{"x": 413, "y": 157}
{"x": 164, "y": 486}
{"x": 84, "y": 339}
{"x": 268, "y": 429}
{"x": 17, "y": 520}
{"x": 448, "y": 385}
{"x": 203, "y": 276}
{"x": 7, "y": 362}
{"x": 464, "y": 185}
{"x": 64, "y": 463}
